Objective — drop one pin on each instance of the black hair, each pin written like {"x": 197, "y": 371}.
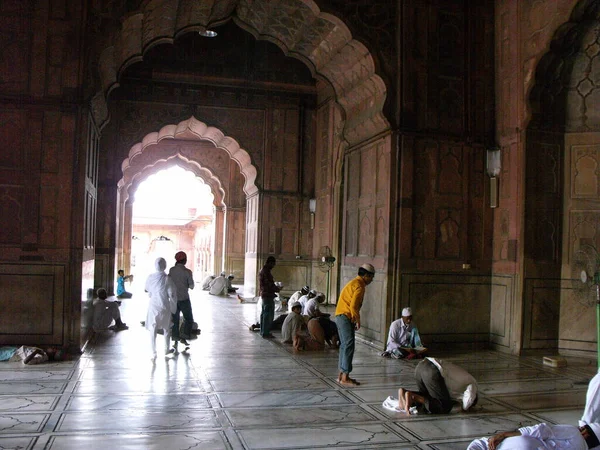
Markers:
{"x": 271, "y": 259}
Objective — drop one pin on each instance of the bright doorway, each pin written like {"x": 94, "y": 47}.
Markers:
{"x": 173, "y": 210}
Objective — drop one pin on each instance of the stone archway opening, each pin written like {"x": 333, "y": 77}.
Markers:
{"x": 173, "y": 211}
{"x": 205, "y": 153}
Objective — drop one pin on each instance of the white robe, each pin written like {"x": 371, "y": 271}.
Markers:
{"x": 163, "y": 298}
{"x": 540, "y": 436}
{"x": 591, "y": 413}
{"x": 218, "y": 286}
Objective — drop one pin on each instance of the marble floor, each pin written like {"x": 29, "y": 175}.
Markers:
{"x": 235, "y": 390}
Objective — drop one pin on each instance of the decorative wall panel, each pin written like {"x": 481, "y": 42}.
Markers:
{"x": 441, "y": 303}
{"x": 37, "y": 291}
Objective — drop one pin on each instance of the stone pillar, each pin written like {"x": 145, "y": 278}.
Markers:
{"x": 220, "y": 224}
{"x": 251, "y": 261}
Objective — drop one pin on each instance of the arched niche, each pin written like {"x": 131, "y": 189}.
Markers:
{"x": 562, "y": 194}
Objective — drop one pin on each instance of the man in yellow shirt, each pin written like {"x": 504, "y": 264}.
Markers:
{"x": 347, "y": 319}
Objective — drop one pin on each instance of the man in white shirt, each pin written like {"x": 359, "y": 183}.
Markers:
{"x": 557, "y": 437}
{"x": 218, "y": 286}
{"x": 591, "y": 413}
{"x": 441, "y": 383}
{"x": 403, "y": 338}
{"x": 296, "y": 296}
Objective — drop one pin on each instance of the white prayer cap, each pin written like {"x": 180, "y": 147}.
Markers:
{"x": 294, "y": 304}
{"x": 222, "y": 274}
{"x": 312, "y": 293}
{"x": 368, "y": 268}
{"x": 406, "y": 312}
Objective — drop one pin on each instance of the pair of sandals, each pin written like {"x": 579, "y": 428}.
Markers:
{"x": 348, "y": 381}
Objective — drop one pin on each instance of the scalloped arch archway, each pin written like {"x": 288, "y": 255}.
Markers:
{"x": 136, "y": 169}
{"x": 298, "y": 27}
{"x": 191, "y": 130}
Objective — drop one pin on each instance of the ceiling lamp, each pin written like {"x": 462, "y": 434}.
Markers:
{"x": 207, "y": 33}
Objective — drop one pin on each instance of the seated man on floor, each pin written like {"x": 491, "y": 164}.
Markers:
{"x": 294, "y": 331}
{"x": 542, "y": 436}
{"x": 312, "y": 311}
{"x": 441, "y": 383}
{"x": 218, "y": 286}
{"x": 305, "y": 298}
{"x": 230, "y": 288}
{"x": 206, "y": 282}
{"x": 403, "y": 339}
{"x": 106, "y": 311}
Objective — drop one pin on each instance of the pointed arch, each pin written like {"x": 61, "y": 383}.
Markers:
{"x": 192, "y": 129}
{"x": 320, "y": 40}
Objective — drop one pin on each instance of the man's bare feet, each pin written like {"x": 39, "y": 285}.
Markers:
{"x": 401, "y": 401}
{"x": 240, "y": 298}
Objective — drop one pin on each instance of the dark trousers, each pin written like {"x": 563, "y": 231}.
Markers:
{"x": 432, "y": 386}
{"x": 329, "y": 327}
{"x": 266, "y": 315}
{"x": 184, "y": 307}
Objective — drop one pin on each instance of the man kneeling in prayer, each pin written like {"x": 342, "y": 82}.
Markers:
{"x": 556, "y": 437}
{"x": 441, "y": 383}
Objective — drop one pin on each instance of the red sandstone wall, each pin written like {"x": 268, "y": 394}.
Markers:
{"x": 42, "y": 220}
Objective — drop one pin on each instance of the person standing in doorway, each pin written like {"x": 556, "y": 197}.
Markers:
{"x": 347, "y": 319}
{"x": 268, "y": 291}
{"x": 183, "y": 279}
{"x": 161, "y": 307}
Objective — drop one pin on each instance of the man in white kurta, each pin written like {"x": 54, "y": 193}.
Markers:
{"x": 218, "y": 285}
{"x": 296, "y": 296}
{"x": 106, "y": 310}
{"x": 591, "y": 413}
{"x": 162, "y": 304}
{"x": 541, "y": 436}
{"x": 403, "y": 338}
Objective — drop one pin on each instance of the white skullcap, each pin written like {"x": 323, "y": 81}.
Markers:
{"x": 406, "y": 312}
{"x": 294, "y": 304}
{"x": 368, "y": 267}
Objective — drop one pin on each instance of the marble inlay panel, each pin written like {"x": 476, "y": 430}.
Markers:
{"x": 238, "y": 364}
{"x": 34, "y": 375}
{"x": 25, "y": 443}
{"x": 209, "y": 440}
{"x": 15, "y": 388}
{"x": 137, "y": 385}
{"x": 137, "y": 420}
{"x": 262, "y": 384}
{"x": 363, "y": 436}
{"x": 143, "y": 402}
{"x": 570, "y": 417}
{"x": 28, "y": 403}
{"x": 542, "y": 400}
{"x": 466, "y": 425}
{"x": 510, "y": 375}
{"x": 291, "y": 416}
{"x": 258, "y": 372}
{"x": 22, "y": 423}
{"x": 527, "y": 386}
{"x": 289, "y": 398}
